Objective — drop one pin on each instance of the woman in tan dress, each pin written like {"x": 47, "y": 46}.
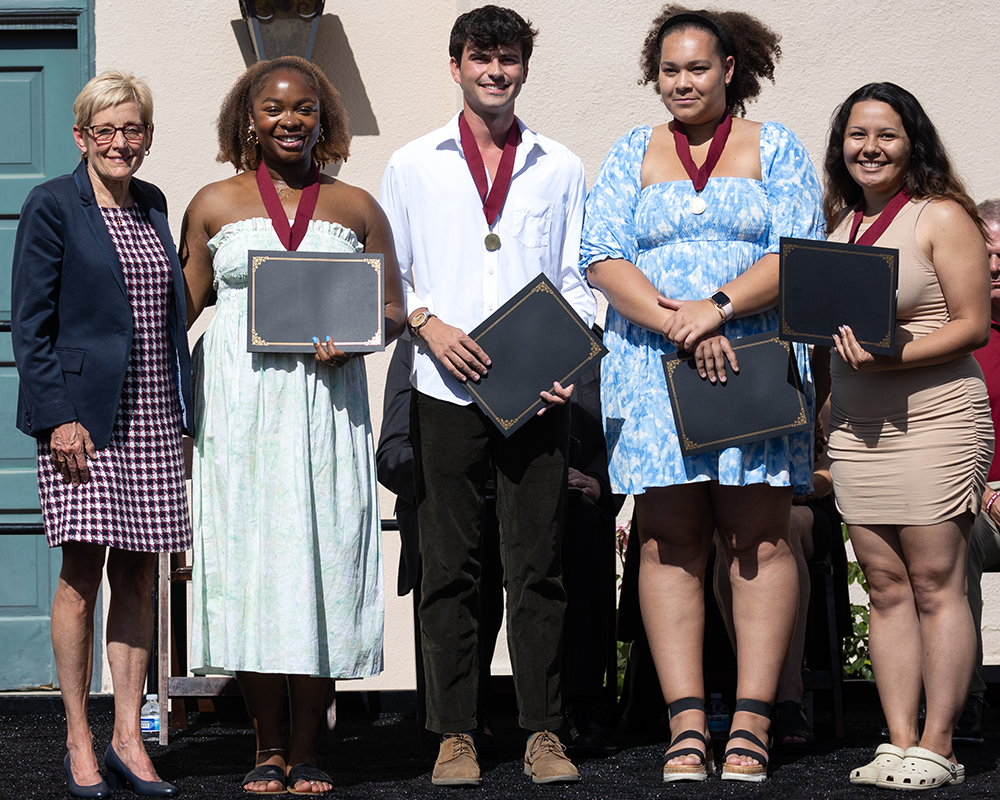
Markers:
{"x": 911, "y": 435}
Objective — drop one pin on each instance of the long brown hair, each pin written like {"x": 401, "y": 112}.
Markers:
{"x": 930, "y": 174}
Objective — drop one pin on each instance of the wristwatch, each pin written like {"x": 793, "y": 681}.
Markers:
{"x": 724, "y": 304}
{"x": 418, "y": 320}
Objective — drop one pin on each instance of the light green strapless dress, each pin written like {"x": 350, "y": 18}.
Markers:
{"x": 287, "y": 556}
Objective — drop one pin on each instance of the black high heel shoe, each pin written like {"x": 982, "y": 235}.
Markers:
{"x": 96, "y": 791}
{"x": 120, "y": 775}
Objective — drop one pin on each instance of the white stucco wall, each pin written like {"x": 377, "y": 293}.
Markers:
{"x": 390, "y": 61}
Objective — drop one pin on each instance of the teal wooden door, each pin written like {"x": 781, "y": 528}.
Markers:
{"x": 42, "y": 69}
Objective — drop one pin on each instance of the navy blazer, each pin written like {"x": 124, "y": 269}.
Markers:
{"x": 71, "y": 319}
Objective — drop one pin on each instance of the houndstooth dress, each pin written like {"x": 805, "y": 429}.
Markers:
{"x": 136, "y": 498}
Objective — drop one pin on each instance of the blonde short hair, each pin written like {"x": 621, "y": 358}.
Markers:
{"x": 111, "y": 88}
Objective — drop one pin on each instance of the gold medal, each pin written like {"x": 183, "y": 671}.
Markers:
{"x": 697, "y": 205}
{"x": 492, "y": 242}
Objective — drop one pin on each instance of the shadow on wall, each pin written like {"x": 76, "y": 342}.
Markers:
{"x": 334, "y": 56}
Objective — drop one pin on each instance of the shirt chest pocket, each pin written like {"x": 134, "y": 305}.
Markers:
{"x": 532, "y": 221}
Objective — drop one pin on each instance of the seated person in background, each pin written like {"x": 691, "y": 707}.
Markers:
{"x": 394, "y": 466}
{"x": 984, "y": 543}
{"x": 588, "y": 573}
{"x": 588, "y": 555}
{"x": 814, "y": 520}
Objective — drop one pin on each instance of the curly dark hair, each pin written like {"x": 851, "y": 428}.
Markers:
{"x": 753, "y": 46}
{"x": 237, "y": 110}
{"x": 930, "y": 174}
{"x": 491, "y": 27}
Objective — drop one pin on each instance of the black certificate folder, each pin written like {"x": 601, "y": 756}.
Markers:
{"x": 533, "y": 340}
{"x": 294, "y": 296}
{"x": 824, "y": 285}
{"x": 765, "y": 399}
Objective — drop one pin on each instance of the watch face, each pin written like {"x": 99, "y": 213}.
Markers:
{"x": 720, "y": 298}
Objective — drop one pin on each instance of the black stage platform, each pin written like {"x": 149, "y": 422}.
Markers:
{"x": 382, "y": 754}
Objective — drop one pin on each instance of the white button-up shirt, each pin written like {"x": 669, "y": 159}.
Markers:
{"x": 439, "y": 228}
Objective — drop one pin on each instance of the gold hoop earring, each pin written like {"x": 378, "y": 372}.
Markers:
{"x": 252, "y": 137}
{"x": 321, "y": 136}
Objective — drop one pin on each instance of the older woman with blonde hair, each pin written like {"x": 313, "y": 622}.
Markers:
{"x": 99, "y": 337}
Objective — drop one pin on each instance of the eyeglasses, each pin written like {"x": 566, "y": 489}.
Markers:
{"x": 104, "y": 134}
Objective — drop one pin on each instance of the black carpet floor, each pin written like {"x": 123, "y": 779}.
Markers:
{"x": 383, "y": 754}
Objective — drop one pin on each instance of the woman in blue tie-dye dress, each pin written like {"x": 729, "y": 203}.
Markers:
{"x": 659, "y": 250}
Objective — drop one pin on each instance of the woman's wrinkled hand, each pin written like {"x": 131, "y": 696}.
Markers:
{"x": 711, "y": 355}
{"x": 691, "y": 321}
{"x": 328, "y": 353}
{"x": 851, "y": 351}
{"x": 71, "y": 445}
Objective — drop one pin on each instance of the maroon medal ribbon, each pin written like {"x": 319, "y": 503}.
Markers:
{"x": 501, "y": 183}
{"x": 877, "y": 228}
{"x": 290, "y": 237}
{"x": 699, "y": 175}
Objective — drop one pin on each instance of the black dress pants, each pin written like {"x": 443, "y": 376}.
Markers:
{"x": 454, "y": 447}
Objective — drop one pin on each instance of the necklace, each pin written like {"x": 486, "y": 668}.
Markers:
{"x": 699, "y": 175}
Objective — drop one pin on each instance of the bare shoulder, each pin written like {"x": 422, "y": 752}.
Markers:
{"x": 943, "y": 218}
{"x": 945, "y": 224}
{"x": 746, "y": 134}
{"x": 225, "y": 201}
{"x": 349, "y": 206}
{"x": 944, "y": 211}
{"x": 347, "y": 193}
{"x": 742, "y": 154}
{"x": 660, "y": 133}
{"x": 659, "y": 149}
{"x": 213, "y": 193}
{"x": 746, "y": 127}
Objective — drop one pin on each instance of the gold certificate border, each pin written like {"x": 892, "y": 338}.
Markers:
{"x": 788, "y": 247}
{"x": 595, "y": 350}
{"x": 717, "y": 444}
{"x": 374, "y": 260}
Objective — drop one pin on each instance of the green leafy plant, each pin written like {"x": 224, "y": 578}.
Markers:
{"x": 857, "y": 659}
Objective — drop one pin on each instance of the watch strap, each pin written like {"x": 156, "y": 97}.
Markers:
{"x": 724, "y": 304}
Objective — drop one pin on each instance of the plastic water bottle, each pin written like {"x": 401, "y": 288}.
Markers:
{"x": 718, "y": 717}
{"x": 149, "y": 719}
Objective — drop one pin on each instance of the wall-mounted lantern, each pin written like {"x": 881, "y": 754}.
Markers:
{"x": 282, "y": 27}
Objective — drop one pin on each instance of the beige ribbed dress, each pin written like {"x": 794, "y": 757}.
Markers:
{"x": 909, "y": 446}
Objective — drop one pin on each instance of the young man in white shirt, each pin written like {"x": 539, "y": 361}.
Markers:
{"x": 466, "y": 244}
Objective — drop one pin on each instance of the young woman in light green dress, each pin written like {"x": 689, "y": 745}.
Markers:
{"x": 287, "y": 565}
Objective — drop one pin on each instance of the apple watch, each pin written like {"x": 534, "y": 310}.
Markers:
{"x": 724, "y": 304}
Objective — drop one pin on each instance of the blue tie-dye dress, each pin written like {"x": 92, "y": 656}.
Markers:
{"x": 688, "y": 257}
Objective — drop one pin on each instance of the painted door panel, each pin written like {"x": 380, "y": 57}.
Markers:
{"x": 40, "y": 76}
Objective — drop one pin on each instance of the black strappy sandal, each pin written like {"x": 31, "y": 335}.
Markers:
{"x": 757, "y": 772}
{"x": 790, "y": 720}
{"x": 688, "y": 772}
